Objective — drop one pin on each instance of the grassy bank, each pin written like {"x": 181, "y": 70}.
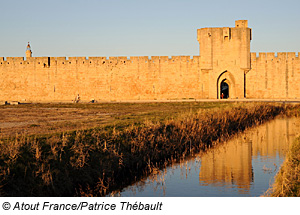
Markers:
{"x": 287, "y": 181}
{"x": 94, "y": 162}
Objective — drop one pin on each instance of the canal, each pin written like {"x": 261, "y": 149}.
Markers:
{"x": 243, "y": 166}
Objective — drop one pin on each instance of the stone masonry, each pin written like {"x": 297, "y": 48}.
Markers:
{"x": 225, "y": 68}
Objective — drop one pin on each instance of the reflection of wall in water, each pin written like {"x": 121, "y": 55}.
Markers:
{"x": 231, "y": 163}
{"x": 274, "y": 138}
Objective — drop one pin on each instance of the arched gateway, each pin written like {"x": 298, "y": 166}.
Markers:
{"x": 225, "y": 85}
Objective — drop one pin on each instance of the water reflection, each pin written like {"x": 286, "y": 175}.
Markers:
{"x": 243, "y": 166}
{"x": 228, "y": 164}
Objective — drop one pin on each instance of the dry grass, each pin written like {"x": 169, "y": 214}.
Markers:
{"x": 95, "y": 162}
{"x": 287, "y": 181}
{"x": 33, "y": 119}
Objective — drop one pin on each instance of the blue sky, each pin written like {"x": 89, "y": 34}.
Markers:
{"x": 140, "y": 28}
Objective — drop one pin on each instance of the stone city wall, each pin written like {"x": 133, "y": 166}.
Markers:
{"x": 100, "y": 78}
{"x": 49, "y": 79}
{"x": 225, "y": 65}
{"x": 274, "y": 76}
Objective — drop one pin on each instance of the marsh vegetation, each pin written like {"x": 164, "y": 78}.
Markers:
{"x": 104, "y": 156}
{"x": 287, "y": 181}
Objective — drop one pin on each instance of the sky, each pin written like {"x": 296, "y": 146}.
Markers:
{"x": 140, "y": 28}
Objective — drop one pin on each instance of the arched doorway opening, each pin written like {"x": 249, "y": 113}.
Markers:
{"x": 226, "y": 85}
{"x": 224, "y": 90}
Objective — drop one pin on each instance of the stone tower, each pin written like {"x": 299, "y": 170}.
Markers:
{"x": 28, "y": 51}
{"x": 225, "y": 59}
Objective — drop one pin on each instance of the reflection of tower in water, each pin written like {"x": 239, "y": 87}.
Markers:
{"x": 227, "y": 165}
{"x": 230, "y": 164}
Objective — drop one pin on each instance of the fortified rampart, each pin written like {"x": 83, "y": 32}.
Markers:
{"x": 274, "y": 76}
{"x": 224, "y": 69}
{"x": 100, "y": 78}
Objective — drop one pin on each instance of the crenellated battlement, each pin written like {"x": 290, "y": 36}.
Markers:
{"x": 276, "y": 57}
{"x": 63, "y": 61}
